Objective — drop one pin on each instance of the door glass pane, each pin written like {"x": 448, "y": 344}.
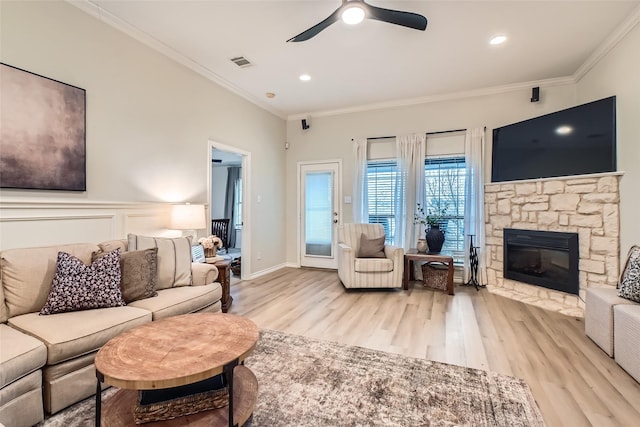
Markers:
{"x": 318, "y": 213}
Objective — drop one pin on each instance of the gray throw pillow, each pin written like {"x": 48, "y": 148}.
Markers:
{"x": 77, "y": 286}
{"x": 630, "y": 279}
{"x": 139, "y": 274}
{"x": 174, "y": 258}
{"x": 371, "y": 248}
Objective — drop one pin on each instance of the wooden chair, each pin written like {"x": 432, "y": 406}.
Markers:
{"x": 220, "y": 228}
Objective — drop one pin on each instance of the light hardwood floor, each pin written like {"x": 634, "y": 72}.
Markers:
{"x": 574, "y": 382}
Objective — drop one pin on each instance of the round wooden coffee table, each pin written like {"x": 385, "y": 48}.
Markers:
{"x": 178, "y": 351}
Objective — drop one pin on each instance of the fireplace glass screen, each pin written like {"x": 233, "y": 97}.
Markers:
{"x": 548, "y": 259}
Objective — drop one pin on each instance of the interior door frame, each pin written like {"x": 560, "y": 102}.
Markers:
{"x": 245, "y": 245}
{"x": 338, "y": 189}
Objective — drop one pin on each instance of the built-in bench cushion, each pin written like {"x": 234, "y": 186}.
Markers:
{"x": 373, "y": 265}
{"x": 598, "y": 316}
{"x": 69, "y": 335}
{"x": 175, "y": 301}
{"x": 627, "y": 338}
{"x": 174, "y": 258}
{"x": 27, "y": 274}
{"x": 20, "y": 354}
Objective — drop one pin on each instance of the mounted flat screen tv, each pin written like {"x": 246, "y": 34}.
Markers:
{"x": 576, "y": 141}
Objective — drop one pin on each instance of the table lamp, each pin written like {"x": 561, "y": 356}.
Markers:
{"x": 188, "y": 217}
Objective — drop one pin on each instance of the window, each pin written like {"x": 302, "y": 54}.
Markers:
{"x": 444, "y": 180}
{"x": 381, "y": 187}
{"x": 444, "y": 186}
{"x": 237, "y": 208}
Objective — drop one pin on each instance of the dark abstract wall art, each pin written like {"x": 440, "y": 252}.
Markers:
{"x": 42, "y": 132}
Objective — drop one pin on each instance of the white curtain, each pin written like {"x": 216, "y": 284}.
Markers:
{"x": 474, "y": 200}
{"x": 360, "y": 199}
{"x": 410, "y": 153}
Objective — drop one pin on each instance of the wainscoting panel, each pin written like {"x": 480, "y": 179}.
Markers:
{"x": 34, "y": 223}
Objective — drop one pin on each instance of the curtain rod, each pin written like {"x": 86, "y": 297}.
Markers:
{"x": 427, "y": 133}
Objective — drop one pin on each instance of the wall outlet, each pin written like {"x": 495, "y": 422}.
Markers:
{"x": 259, "y": 256}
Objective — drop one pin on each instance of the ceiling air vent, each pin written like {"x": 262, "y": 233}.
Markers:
{"x": 241, "y": 61}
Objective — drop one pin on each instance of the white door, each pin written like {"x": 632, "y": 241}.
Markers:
{"x": 319, "y": 214}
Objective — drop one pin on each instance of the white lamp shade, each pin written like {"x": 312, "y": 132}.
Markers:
{"x": 188, "y": 217}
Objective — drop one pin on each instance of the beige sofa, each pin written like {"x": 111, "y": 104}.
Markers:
{"x": 46, "y": 361}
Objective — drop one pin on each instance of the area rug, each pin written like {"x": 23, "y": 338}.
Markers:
{"x": 307, "y": 382}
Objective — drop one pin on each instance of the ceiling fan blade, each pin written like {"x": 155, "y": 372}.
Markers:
{"x": 398, "y": 17}
{"x": 307, "y": 34}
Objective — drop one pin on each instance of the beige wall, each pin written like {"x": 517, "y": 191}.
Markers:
{"x": 149, "y": 120}
{"x": 330, "y": 136}
{"x": 618, "y": 74}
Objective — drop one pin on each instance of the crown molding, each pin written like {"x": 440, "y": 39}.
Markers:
{"x": 558, "y": 81}
{"x": 609, "y": 43}
{"x": 108, "y": 18}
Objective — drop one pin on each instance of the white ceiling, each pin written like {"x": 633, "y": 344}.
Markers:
{"x": 374, "y": 64}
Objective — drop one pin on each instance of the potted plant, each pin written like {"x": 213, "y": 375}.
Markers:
{"x": 434, "y": 220}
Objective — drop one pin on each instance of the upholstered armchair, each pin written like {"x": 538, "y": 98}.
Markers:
{"x": 364, "y": 261}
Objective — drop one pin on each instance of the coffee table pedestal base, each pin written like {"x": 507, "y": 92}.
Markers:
{"x": 117, "y": 411}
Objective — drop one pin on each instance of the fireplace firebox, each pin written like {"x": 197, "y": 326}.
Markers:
{"x": 543, "y": 258}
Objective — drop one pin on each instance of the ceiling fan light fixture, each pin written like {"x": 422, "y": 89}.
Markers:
{"x": 352, "y": 15}
{"x": 499, "y": 39}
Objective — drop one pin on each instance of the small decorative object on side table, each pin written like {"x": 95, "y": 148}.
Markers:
{"x": 224, "y": 277}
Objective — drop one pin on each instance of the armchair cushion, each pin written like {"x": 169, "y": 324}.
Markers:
{"x": 371, "y": 247}
{"x": 373, "y": 265}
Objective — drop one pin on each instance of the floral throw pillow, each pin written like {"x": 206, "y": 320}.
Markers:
{"x": 77, "y": 286}
{"x": 630, "y": 280}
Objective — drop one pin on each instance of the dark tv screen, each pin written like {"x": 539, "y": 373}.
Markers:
{"x": 576, "y": 141}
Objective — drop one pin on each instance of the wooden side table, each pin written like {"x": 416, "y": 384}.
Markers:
{"x": 413, "y": 255}
{"x": 224, "y": 276}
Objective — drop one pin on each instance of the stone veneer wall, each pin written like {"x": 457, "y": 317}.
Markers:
{"x": 587, "y": 205}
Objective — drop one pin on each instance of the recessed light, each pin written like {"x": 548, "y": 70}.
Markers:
{"x": 352, "y": 15}
{"x": 305, "y": 77}
{"x": 564, "y": 130}
{"x": 498, "y": 39}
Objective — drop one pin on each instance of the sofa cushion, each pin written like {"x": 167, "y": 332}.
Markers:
{"x": 171, "y": 302}
{"x": 174, "y": 258}
{"x": 373, "y": 265}
{"x": 77, "y": 286}
{"x": 21, "y": 402}
{"x": 112, "y": 245}
{"x": 20, "y": 354}
{"x": 630, "y": 279}
{"x": 371, "y": 247}
{"x": 69, "y": 335}
{"x": 27, "y": 274}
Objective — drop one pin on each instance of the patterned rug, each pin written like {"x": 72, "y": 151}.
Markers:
{"x": 307, "y": 382}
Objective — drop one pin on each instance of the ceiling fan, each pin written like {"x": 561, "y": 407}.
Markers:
{"x": 354, "y": 11}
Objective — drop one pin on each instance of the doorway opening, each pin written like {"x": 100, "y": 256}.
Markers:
{"x": 228, "y": 210}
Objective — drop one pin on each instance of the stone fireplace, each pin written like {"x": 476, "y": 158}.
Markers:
{"x": 587, "y": 206}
